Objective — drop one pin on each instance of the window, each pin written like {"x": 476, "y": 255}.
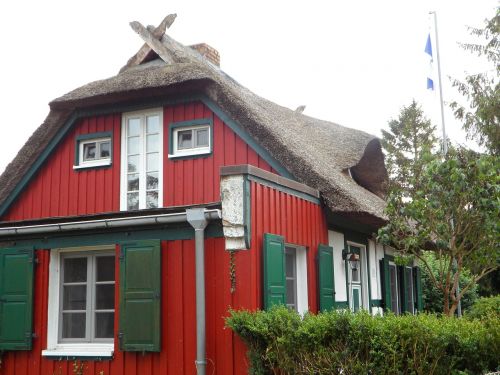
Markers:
{"x": 142, "y": 160}
{"x": 190, "y": 138}
{"x": 296, "y": 278}
{"x": 291, "y": 278}
{"x": 93, "y": 150}
{"x": 394, "y": 288}
{"x": 87, "y": 298}
{"x": 409, "y": 290}
{"x": 81, "y": 302}
{"x": 284, "y": 274}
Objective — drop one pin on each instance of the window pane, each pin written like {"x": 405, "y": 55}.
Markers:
{"x": 105, "y": 150}
{"x": 105, "y": 268}
{"x": 290, "y": 264}
{"x": 104, "y": 325}
{"x": 152, "y": 162}
{"x": 89, "y": 151}
{"x": 184, "y": 139}
{"x": 73, "y": 326}
{"x": 133, "y": 127}
{"x": 133, "y": 201}
{"x": 75, "y": 270}
{"x": 394, "y": 289}
{"x": 152, "y": 181}
{"x": 133, "y": 163}
{"x": 290, "y": 292}
{"x": 202, "y": 137}
{"x": 133, "y": 182}
{"x": 74, "y": 297}
{"x": 355, "y": 274}
{"x": 133, "y": 145}
{"x": 105, "y": 297}
{"x": 152, "y": 143}
{"x": 151, "y": 199}
{"x": 409, "y": 289}
{"x": 153, "y": 124}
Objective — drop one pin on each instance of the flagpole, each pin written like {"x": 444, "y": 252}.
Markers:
{"x": 438, "y": 57}
{"x": 445, "y": 142}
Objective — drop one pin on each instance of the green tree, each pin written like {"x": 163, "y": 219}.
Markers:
{"x": 454, "y": 213}
{"x": 481, "y": 116}
{"x": 409, "y": 136}
{"x": 433, "y": 296}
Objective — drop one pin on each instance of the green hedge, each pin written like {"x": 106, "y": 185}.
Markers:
{"x": 340, "y": 342}
{"x": 485, "y": 307}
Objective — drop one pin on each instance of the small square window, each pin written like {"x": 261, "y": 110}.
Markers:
{"x": 190, "y": 140}
{"x": 93, "y": 152}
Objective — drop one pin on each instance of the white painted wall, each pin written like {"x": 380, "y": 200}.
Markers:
{"x": 336, "y": 240}
{"x": 301, "y": 271}
{"x": 374, "y": 270}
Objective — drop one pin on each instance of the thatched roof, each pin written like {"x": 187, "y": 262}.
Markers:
{"x": 317, "y": 153}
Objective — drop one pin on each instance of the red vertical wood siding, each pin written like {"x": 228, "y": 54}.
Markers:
{"x": 299, "y": 221}
{"x": 59, "y": 190}
{"x": 178, "y": 312}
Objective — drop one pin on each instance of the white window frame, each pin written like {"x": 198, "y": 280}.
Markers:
{"x": 70, "y": 349}
{"x": 176, "y": 152}
{"x": 98, "y": 162}
{"x": 302, "y": 302}
{"x": 365, "y": 299}
{"x": 142, "y": 180}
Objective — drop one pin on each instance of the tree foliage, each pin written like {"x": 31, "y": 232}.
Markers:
{"x": 454, "y": 212}
{"x": 408, "y": 138}
{"x": 432, "y": 295}
{"x": 481, "y": 120}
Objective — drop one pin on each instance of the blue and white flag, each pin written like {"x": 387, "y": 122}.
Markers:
{"x": 428, "y": 51}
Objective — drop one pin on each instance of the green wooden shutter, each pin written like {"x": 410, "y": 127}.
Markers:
{"x": 386, "y": 283}
{"x": 326, "y": 281}
{"x": 274, "y": 270}
{"x": 419, "y": 302}
{"x": 16, "y": 299}
{"x": 140, "y": 286}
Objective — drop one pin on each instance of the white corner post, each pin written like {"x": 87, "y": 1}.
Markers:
{"x": 196, "y": 217}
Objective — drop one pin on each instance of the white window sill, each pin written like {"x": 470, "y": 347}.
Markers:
{"x": 190, "y": 153}
{"x": 80, "y": 350}
{"x": 103, "y": 163}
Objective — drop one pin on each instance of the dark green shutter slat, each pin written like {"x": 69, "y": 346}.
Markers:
{"x": 16, "y": 299}
{"x": 386, "y": 283}
{"x": 274, "y": 270}
{"x": 140, "y": 290}
{"x": 326, "y": 282}
{"x": 418, "y": 287}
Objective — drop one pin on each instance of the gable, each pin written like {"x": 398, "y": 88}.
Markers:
{"x": 57, "y": 189}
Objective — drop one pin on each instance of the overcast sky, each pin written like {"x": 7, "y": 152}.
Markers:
{"x": 351, "y": 62}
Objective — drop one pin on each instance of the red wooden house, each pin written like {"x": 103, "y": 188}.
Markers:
{"x": 149, "y": 203}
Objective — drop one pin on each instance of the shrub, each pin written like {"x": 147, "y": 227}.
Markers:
{"x": 340, "y": 342}
{"x": 485, "y": 307}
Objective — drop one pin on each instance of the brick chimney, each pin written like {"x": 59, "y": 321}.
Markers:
{"x": 209, "y": 53}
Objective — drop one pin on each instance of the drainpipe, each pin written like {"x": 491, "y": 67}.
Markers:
{"x": 196, "y": 217}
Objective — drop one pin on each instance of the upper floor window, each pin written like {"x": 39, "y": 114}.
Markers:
{"x": 190, "y": 138}
{"x": 93, "y": 150}
{"x": 142, "y": 160}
